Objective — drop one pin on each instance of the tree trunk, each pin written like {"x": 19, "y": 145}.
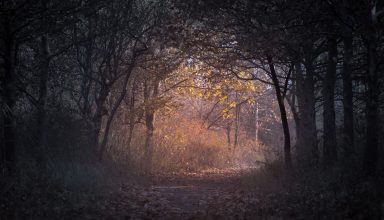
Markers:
{"x": 292, "y": 102}
{"x": 111, "y": 115}
{"x": 348, "y": 135}
{"x": 237, "y": 124}
{"x": 97, "y": 118}
{"x": 131, "y": 118}
{"x": 283, "y": 115}
{"x": 329, "y": 139}
{"x": 228, "y": 132}
{"x": 149, "y": 123}
{"x": 40, "y": 149}
{"x": 257, "y": 125}
{"x": 8, "y": 95}
{"x": 372, "y": 106}
{"x": 295, "y": 114}
{"x": 311, "y": 136}
{"x": 307, "y": 152}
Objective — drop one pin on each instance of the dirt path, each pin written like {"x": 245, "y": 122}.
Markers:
{"x": 210, "y": 195}
{"x": 190, "y": 192}
{"x": 184, "y": 196}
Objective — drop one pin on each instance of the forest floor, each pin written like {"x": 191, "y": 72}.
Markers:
{"x": 195, "y": 195}
{"x": 213, "y": 194}
{"x": 204, "y": 195}
{"x": 209, "y": 194}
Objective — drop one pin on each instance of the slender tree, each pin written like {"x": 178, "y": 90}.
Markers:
{"x": 330, "y": 145}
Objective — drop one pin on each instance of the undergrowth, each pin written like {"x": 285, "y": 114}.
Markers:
{"x": 315, "y": 194}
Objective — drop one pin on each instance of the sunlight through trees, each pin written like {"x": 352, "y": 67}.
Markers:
{"x": 276, "y": 96}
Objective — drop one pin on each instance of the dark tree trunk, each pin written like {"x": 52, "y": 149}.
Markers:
{"x": 348, "y": 135}
{"x": 111, "y": 115}
{"x": 41, "y": 145}
{"x": 372, "y": 107}
{"x": 228, "y": 132}
{"x": 307, "y": 151}
{"x": 9, "y": 96}
{"x": 257, "y": 124}
{"x": 311, "y": 139}
{"x": 237, "y": 125}
{"x": 329, "y": 139}
{"x": 283, "y": 115}
{"x": 97, "y": 117}
{"x": 41, "y": 109}
{"x": 131, "y": 117}
{"x": 292, "y": 102}
{"x": 296, "y": 119}
{"x": 149, "y": 123}
{"x": 149, "y": 93}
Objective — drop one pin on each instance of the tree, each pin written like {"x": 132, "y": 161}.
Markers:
{"x": 330, "y": 145}
{"x": 372, "y": 39}
{"x": 283, "y": 114}
{"x": 18, "y": 22}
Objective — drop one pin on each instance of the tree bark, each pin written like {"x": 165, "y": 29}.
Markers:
{"x": 257, "y": 124}
{"x": 111, "y": 115}
{"x": 131, "y": 118}
{"x": 40, "y": 149}
{"x": 292, "y": 102}
{"x": 97, "y": 117}
{"x": 228, "y": 132}
{"x": 329, "y": 138}
{"x": 372, "y": 106}
{"x": 307, "y": 151}
{"x": 9, "y": 96}
{"x": 283, "y": 115}
{"x": 237, "y": 124}
{"x": 348, "y": 134}
{"x": 149, "y": 123}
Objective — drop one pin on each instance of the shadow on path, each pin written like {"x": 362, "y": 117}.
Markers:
{"x": 191, "y": 192}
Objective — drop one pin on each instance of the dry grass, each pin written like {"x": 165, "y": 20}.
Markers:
{"x": 183, "y": 144}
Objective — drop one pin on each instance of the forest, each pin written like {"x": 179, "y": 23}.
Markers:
{"x": 204, "y": 109}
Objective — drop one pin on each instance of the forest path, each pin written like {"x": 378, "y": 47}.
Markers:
{"x": 203, "y": 195}
{"x": 192, "y": 192}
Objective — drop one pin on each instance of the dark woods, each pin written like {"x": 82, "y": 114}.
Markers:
{"x": 328, "y": 57}
{"x": 70, "y": 70}
{"x": 66, "y": 67}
